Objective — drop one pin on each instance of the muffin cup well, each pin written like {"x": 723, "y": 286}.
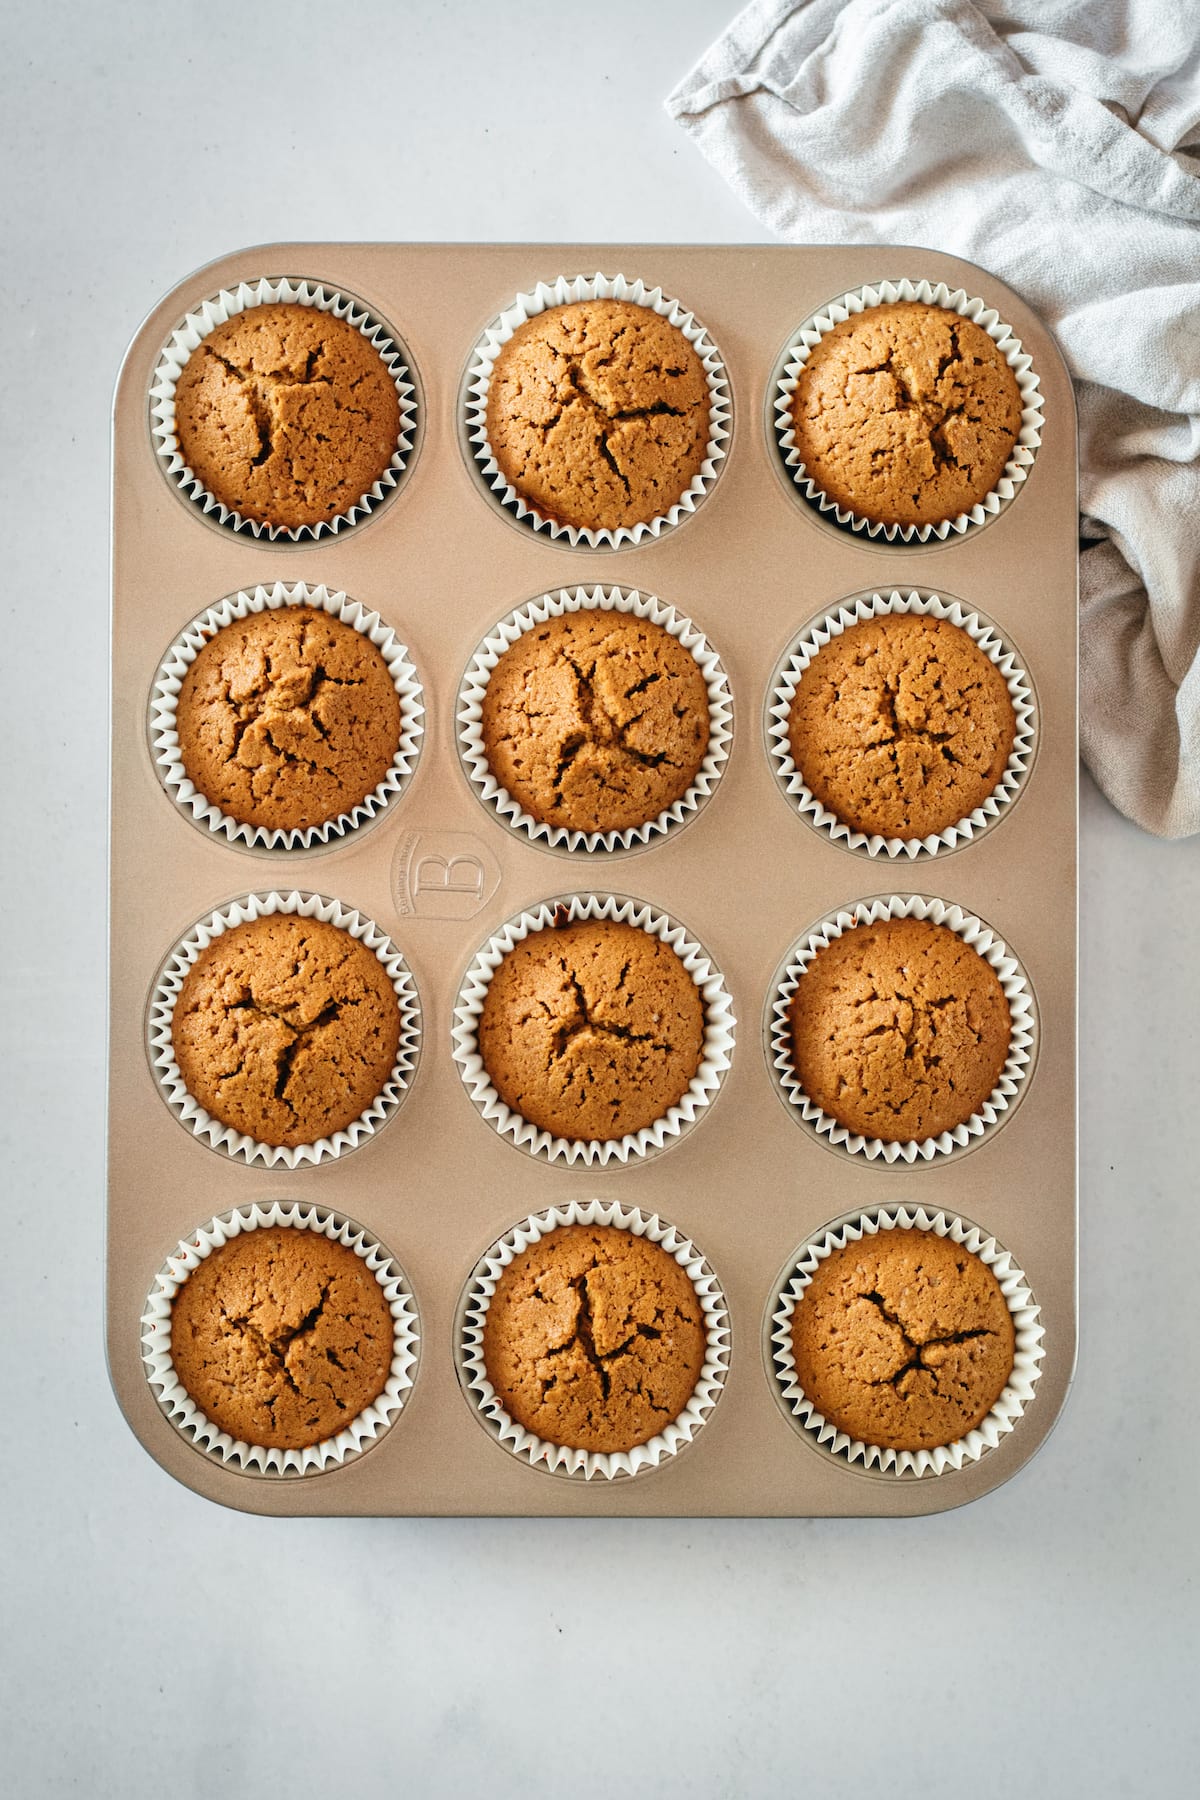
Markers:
{"x": 887, "y": 293}
{"x": 813, "y": 639}
{"x": 200, "y": 323}
{"x": 164, "y": 737}
{"x": 1022, "y": 1043}
{"x": 473, "y": 690}
{"x": 563, "y": 292}
{"x": 1018, "y": 1391}
{"x": 702, "y": 1090}
{"x": 257, "y": 1459}
{"x": 236, "y": 1144}
{"x": 560, "y": 1458}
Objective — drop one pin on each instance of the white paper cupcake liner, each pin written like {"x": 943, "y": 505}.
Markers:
{"x": 1022, "y": 1044}
{"x": 200, "y": 323}
{"x": 815, "y": 637}
{"x": 931, "y": 294}
{"x": 258, "y": 1459}
{"x": 553, "y": 606}
{"x": 164, "y": 738}
{"x": 236, "y": 1144}
{"x": 1029, "y": 1349}
{"x": 704, "y": 1085}
{"x": 559, "y": 1458}
{"x": 563, "y": 292}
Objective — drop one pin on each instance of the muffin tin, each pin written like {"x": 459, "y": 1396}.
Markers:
{"x": 439, "y": 873}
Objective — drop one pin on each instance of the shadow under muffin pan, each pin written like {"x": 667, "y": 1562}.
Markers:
{"x": 439, "y": 874}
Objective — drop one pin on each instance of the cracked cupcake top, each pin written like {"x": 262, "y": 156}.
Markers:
{"x": 286, "y": 1028}
{"x": 903, "y": 1340}
{"x": 287, "y": 414}
{"x": 287, "y": 718}
{"x": 594, "y": 1338}
{"x": 901, "y": 725}
{"x": 591, "y": 1030}
{"x": 597, "y": 721}
{"x": 899, "y": 1030}
{"x": 282, "y": 1337}
{"x": 598, "y": 413}
{"x": 906, "y": 414}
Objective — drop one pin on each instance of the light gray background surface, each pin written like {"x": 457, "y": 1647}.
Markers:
{"x": 1042, "y": 1640}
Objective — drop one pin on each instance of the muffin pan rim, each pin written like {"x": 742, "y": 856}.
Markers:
{"x": 383, "y": 270}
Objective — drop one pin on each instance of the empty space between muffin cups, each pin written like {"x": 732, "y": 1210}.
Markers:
{"x": 229, "y": 303}
{"x": 715, "y": 1050}
{"x": 240, "y": 1146}
{"x": 566, "y": 291}
{"x": 561, "y": 604}
{"x": 888, "y": 293}
{"x": 1018, "y": 1064}
{"x": 1007, "y": 1409}
{"x": 360, "y": 1432}
{"x": 164, "y": 726}
{"x": 815, "y": 637}
{"x": 563, "y": 1459}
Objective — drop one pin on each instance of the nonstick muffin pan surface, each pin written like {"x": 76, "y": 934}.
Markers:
{"x": 439, "y": 872}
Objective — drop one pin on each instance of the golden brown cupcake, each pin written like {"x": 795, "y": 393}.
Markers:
{"x": 598, "y": 413}
{"x": 906, "y": 414}
{"x": 597, "y": 721}
{"x": 904, "y": 1340}
{"x": 594, "y": 1338}
{"x": 591, "y": 1030}
{"x": 899, "y": 1030}
{"x": 282, "y": 1337}
{"x": 286, "y": 1028}
{"x": 287, "y": 414}
{"x": 287, "y": 718}
{"x": 901, "y": 725}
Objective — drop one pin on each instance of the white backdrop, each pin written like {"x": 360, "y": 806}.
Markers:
{"x": 1038, "y": 1640}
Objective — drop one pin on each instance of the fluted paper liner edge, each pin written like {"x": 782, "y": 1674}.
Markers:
{"x": 957, "y": 300}
{"x": 1018, "y": 1391}
{"x": 187, "y": 1417}
{"x": 237, "y": 1144}
{"x": 200, "y": 323}
{"x": 1022, "y": 1043}
{"x": 563, "y": 292}
{"x": 555, "y": 605}
{"x": 719, "y": 1025}
{"x": 164, "y": 736}
{"x": 803, "y": 652}
{"x": 565, "y": 1459}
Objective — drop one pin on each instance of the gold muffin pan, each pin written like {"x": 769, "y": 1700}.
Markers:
{"x": 439, "y": 874}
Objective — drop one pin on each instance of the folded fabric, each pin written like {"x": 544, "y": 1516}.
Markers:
{"x": 1047, "y": 140}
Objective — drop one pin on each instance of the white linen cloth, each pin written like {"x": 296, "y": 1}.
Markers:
{"x": 1049, "y": 141}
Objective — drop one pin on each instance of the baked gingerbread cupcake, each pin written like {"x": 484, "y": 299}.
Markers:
{"x": 598, "y": 414}
{"x": 592, "y": 1029}
{"x": 899, "y": 1030}
{"x": 906, "y": 414}
{"x": 282, "y": 1337}
{"x": 594, "y": 1338}
{"x": 288, "y": 718}
{"x": 286, "y": 1028}
{"x": 287, "y": 414}
{"x": 901, "y": 726}
{"x": 903, "y": 1340}
{"x": 597, "y": 721}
